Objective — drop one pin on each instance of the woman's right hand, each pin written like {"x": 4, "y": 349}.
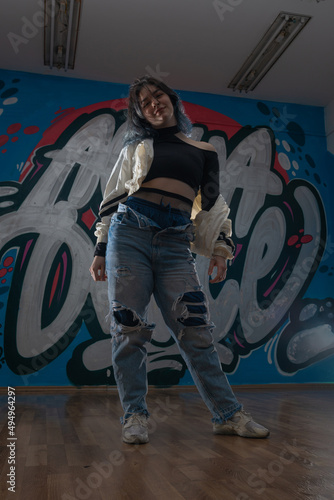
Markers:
{"x": 98, "y": 269}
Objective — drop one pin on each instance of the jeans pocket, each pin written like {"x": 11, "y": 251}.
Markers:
{"x": 118, "y": 218}
{"x": 129, "y": 218}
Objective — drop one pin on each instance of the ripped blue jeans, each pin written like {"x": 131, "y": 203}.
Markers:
{"x": 149, "y": 253}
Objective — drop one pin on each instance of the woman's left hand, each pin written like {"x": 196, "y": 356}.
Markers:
{"x": 221, "y": 265}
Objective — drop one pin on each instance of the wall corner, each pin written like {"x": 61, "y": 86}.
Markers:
{"x": 329, "y": 126}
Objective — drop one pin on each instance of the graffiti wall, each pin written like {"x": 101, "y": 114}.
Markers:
{"x": 274, "y": 314}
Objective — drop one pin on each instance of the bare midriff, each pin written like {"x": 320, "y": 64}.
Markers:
{"x": 171, "y": 186}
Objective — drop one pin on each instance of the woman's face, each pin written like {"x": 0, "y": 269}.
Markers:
{"x": 156, "y": 107}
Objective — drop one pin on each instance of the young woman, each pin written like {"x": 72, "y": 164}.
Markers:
{"x": 162, "y": 203}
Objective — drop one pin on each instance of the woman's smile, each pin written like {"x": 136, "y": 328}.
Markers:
{"x": 156, "y": 107}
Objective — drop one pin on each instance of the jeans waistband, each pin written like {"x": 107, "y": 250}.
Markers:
{"x": 162, "y": 216}
{"x": 135, "y": 203}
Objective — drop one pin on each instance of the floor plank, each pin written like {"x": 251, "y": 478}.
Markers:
{"x": 68, "y": 447}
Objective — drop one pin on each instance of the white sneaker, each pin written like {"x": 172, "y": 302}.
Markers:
{"x": 135, "y": 429}
{"x": 241, "y": 424}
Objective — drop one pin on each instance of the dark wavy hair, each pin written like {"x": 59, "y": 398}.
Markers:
{"x": 137, "y": 127}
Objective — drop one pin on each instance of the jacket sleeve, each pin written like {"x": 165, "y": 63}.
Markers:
{"x": 213, "y": 228}
{"x": 126, "y": 177}
{"x": 210, "y": 225}
{"x": 114, "y": 193}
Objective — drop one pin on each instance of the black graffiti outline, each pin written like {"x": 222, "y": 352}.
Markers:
{"x": 24, "y": 366}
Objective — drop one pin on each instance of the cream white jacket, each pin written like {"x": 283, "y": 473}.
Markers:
{"x": 125, "y": 179}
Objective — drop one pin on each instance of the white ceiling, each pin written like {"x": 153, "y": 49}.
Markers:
{"x": 187, "y": 42}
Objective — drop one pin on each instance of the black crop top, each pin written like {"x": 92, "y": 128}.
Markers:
{"x": 176, "y": 159}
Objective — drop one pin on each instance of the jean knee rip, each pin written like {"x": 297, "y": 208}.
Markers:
{"x": 193, "y": 310}
{"x": 126, "y": 320}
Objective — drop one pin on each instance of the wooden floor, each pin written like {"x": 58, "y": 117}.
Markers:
{"x": 68, "y": 447}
